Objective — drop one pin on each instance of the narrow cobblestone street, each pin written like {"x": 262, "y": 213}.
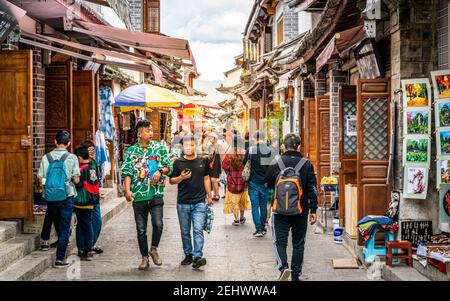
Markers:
{"x": 232, "y": 252}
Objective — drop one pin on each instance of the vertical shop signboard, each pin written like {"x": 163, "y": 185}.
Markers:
{"x": 417, "y": 134}
{"x": 441, "y": 85}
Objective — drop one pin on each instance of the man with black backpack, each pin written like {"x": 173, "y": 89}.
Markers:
{"x": 59, "y": 172}
{"x": 294, "y": 203}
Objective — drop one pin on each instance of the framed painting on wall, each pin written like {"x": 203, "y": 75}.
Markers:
{"x": 444, "y": 205}
{"x": 416, "y": 93}
{"x": 416, "y": 150}
{"x": 415, "y": 182}
{"x": 442, "y": 113}
{"x": 417, "y": 122}
{"x": 441, "y": 84}
{"x": 443, "y": 142}
{"x": 443, "y": 172}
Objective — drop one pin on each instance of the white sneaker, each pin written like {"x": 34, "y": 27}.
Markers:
{"x": 285, "y": 274}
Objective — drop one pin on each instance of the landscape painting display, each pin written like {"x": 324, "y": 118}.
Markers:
{"x": 417, "y": 140}
{"x": 417, "y": 122}
{"x": 444, "y": 171}
{"x": 417, "y": 150}
{"x": 441, "y": 84}
{"x": 444, "y": 143}
{"x": 416, "y": 92}
{"x": 443, "y": 114}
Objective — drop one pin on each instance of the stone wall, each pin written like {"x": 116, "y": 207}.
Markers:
{"x": 307, "y": 89}
{"x": 337, "y": 79}
{"x": 290, "y": 22}
{"x": 38, "y": 109}
{"x": 414, "y": 55}
{"x": 320, "y": 86}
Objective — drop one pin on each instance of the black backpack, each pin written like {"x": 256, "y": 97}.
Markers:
{"x": 288, "y": 189}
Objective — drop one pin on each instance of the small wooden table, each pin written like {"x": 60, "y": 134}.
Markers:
{"x": 398, "y": 245}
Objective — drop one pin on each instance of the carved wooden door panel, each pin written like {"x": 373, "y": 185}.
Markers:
{"x": 84, "y": 106}
{"x": 310, "y": 131}
{"x": 373, "y": 146}
{"x": 323, "y": 137}
{"x": 16, "y": 137}
{"x": 58, "y": 101}
{"x": 348, "y": 142}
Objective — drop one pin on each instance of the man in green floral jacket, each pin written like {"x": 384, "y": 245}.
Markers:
{"x": 144, "y": 167}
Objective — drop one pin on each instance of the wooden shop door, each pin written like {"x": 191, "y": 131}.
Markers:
{"x": 16, "y": 137}
{"x": 373, "y": 146}
{"x": 348, "y": 143}
{"x": 58, "y": 101}
{"x": 323, "y": 139}
{"x": 85, "y": 106}
{"x": 309, "y": 130}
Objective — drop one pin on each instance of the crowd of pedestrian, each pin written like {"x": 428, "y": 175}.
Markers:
{"x": 271, "y": 179}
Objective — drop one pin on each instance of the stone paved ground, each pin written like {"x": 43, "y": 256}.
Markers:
{"x": 232, "y": 253}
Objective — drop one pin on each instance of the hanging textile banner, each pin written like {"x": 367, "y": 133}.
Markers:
{"x": 416, "y": 136}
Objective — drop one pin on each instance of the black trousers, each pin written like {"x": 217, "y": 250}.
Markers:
{"x": 281, "y": 225}
{"x": 153, "y": 207}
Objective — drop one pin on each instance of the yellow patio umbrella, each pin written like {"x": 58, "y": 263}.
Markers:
{"x": 143, "y": 96}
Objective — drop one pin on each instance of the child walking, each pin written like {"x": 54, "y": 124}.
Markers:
{"x": 88, "y": 196}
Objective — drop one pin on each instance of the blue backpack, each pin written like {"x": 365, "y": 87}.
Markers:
{"x": 55, "y": 184}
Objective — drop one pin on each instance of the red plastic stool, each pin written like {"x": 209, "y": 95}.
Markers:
{"x": 398, "y": 245}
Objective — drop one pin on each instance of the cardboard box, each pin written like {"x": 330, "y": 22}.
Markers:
{"x": 34, "y": 224}
{"x": 351, "y": 210}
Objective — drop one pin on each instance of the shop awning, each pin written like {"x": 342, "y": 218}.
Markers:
{"x": 145, "y": 41}
{"x": 98, "y": 53}
{"x": 340, "y": 44}
{"x": 121, "y": 64}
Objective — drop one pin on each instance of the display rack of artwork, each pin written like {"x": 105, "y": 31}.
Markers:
{"x": 417, "y": 136}
{"x": 441, "y": 87}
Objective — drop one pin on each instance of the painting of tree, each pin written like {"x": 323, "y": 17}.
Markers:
{"x": 445, "y": 142}
{"x": 417, "y": 123}
{"x": 444, "y": 114}
{"x": 417, "y": 95}
{"x": 443, "y": 85}
{"x": 417, "y": 150}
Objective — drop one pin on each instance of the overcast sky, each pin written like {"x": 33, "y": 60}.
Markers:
{"x": 213, "y": 27}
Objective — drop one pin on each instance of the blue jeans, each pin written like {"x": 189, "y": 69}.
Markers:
{"x": 62, "y": 213}
{"x": 84, "y": 230}
{"x": 195, "y": 215}
{"x": 96, "y": 223}
{"x": 49, "y": 220}
{"x": 258, "y": 198}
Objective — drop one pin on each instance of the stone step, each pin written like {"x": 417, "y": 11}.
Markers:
{"x": 402, "y": 273}
{"x": 9, "y": 229}
{"x": 107, "y": 193}
{"x": 16, "y": 248}
{"x": 35, "y": 263}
